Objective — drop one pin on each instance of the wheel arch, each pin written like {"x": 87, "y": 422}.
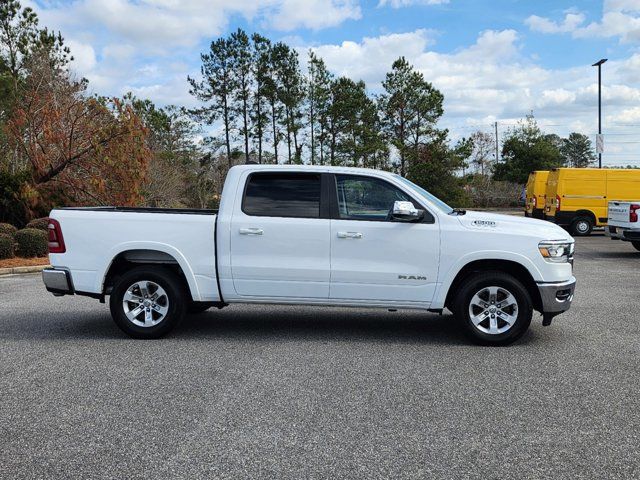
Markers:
{"x": 130, "y": 256}
{"x": 517, "y": 270}
{"x": 586, "y": 213}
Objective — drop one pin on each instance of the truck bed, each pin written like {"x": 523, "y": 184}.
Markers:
{"x": 96, "y": 236}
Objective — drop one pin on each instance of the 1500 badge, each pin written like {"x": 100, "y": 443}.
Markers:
{"x": 484, "y": 223}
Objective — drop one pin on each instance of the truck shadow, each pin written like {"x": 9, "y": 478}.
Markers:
{"x": 258, "y": 323}
{"x": 319, "y": 324}
{"x": 370, "y": 325}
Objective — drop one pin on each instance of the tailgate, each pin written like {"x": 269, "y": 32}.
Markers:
{"x": 619, "y": 214}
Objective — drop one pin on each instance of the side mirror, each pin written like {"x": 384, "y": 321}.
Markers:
{"x": 406, "y": 212}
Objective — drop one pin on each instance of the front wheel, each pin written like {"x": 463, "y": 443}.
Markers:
{"x": 636, "y": 245}
{"x": 148, "y": 302}
{"x": 494, "y": 308}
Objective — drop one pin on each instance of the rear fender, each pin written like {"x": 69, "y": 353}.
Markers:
{"x": 156, "y": 246}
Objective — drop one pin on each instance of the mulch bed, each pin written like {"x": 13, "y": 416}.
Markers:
{"x": 23, "y": 262}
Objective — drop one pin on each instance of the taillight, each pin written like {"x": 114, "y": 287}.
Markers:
{"x": 557, "y": 202}
{"x": 56, "y": 241}
{"x": 633, "y": 212}
{"x": 534, "y": 201}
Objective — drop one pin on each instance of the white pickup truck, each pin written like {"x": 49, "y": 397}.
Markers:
{"x": 314, "y": 235}
{"x": 623, "y": 223}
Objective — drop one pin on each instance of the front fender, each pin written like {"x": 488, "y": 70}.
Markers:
{"x": 449, "y": 275}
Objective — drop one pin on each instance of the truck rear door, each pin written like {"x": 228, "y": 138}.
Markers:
{"x": 279, "y": 239}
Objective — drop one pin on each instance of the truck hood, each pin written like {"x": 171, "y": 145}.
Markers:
{"x": 494, "y": 222}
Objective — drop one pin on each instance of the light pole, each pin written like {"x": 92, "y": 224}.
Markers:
{"x": 599, "y": 65}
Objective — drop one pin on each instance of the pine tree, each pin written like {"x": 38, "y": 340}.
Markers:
{"x": 272, "y": 94}
{"x": 291, "y": 94}
{"x": 410, "y": 107}
{"x": 261, "y": 64}
{"x": 242, "y": 60}
{"x": 217, "y": 89}
{"x": 577, "y": 150}
{"x": 318, "y": 94}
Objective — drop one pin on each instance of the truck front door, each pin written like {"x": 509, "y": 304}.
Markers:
{"x": 374, "y": 257}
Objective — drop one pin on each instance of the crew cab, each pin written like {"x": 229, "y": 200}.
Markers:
{"x": 623, "y": 222}
{"x": 314, "y": 235}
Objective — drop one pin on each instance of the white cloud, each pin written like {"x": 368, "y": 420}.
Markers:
{"x": 407, "y": 3}
{"x": 312, "y": 14}
{"x": 556, "y": 97}
{"x": 622, "y": 5}
{"x": 628, "y": 115}
{"x": 150, "y": 46}
{"x": 490, "y": 80}
{"x": 84, "y": 57}
{"x": 613, "y": 24}
{"x": 620, "y": 19}
{"x": 367, "y": 59}
{"x": 493, "y": 45}
{"x": 164, "y": 24}
{"x": 569, "y": 24}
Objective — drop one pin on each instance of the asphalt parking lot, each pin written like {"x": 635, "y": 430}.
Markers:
{"x": 288, "y": 392}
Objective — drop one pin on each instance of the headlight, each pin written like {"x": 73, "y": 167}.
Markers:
{"x": 557, "y": 251}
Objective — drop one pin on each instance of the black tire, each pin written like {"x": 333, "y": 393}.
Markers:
{"x": 174, "y": 299}
{"x": 194, "y": 308}
{"x": 507, "y": 283}
{"x": 581, "y": 227}
{"x": 636, "y": 245}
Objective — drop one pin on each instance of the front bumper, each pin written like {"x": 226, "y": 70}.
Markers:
{"x": 58, "y": 281}
{"x": 556, "y": 298}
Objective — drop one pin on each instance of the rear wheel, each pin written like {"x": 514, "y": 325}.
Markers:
{"x": 148, "y": 302}
{"x": 494, "y": 308}
{"x": 636, "y": 245}
{"x": 581, "y": 226}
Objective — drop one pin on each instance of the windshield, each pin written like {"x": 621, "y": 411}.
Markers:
{"x": 434, "y": 200}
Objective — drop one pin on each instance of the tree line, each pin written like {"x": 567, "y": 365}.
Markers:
{"x": 270, "y": 109}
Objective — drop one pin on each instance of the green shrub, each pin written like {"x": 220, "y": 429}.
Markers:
{"x": 39, "y": 223}
{"x": 32, "y": 243}
{"x": 7, "y": 246}
{"x": 8, "y": 229}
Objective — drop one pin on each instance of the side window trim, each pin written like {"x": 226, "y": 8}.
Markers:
{"x": 323, "y": 210}
{"x": 334, "y": 207}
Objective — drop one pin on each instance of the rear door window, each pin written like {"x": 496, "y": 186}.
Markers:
{"x": 282, "y": 195}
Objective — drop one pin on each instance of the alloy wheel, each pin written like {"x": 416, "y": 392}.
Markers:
{"x": 145, "y": 303}
{"x": 493, "y": 310}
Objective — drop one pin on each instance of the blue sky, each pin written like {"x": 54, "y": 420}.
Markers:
{"x": 494, "y": 60}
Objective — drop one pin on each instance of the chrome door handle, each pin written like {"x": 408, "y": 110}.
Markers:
{"x": 349, "y": 235}
{"x": 251, "y": 231}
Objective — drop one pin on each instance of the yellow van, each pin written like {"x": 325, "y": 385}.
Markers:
{"x": 535, "y": 190}
{"x": 577, "y": 197}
